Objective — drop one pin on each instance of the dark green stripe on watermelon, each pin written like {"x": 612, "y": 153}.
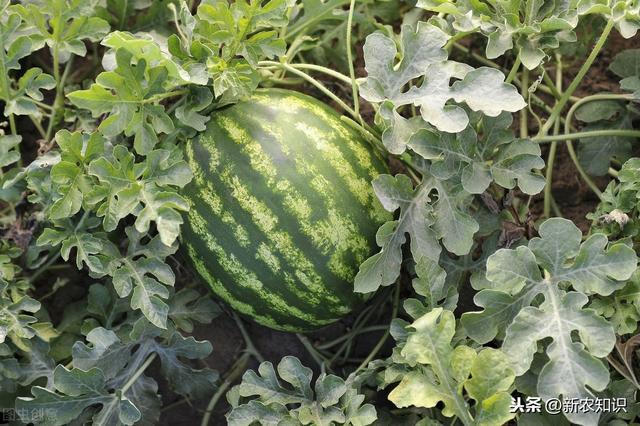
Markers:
{"x": 283, "y": 211}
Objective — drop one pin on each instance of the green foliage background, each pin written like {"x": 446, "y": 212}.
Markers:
{"x": 99, "y": 95}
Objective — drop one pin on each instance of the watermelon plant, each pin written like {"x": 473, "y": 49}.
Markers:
{"x": 340, "y": 212}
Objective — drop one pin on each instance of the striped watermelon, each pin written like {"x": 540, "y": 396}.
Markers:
{"x": 282, "y": 209}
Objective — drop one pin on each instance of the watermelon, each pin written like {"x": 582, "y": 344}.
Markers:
{"x": 282, "y": 209}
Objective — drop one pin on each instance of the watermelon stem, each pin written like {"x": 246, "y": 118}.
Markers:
{"x": 235, "y": 371}
{"x": 368, "y": 134}
{"x": 352, "y": 73}
{"x": 351, "y": 334}
{"x": 362, "y": 319}
{"x": 321, "y": 360}
{"x": 250, "y": 347}
{"x": 313, "y": 67}
{"x": 362, "y": 126}
{"x": 385, "y": 336}
{"x": 314, "y": 82}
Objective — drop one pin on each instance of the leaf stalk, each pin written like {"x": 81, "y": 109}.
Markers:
{"x": 559, "y": 106}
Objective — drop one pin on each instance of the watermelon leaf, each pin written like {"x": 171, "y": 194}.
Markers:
{"x": 143, "y": 189}
{"x": 416, "y": 217}
{"x": 129, "y": 94}
{"x": 119, "y": 355}
{"x": 493, "y": 155}
{"x": 37, "y": 364}
{"x": 617, "y": 217}
{"x": 69, "y": 25}
{"x": 9, "y": 368}
{"x": 19, "y": 96}
{"x": 531, "y": 30}
{"x": 70, "y": 175}
{"x": 119, "y": 360}
{"x": 481, "y": 89}
{"x": 621, "y": 308}
{"x": 75, "y": 391}
{"x": 188, "y": 306}
{"x": 188, "y": 113}
{"x": 143, "y": 47}
{"x": 16, "y": 317}
{"x": 626, "y": 65}
{"x": 422, "y": 216}
{"x": 438, "y": 372}
{"x": 144, "y": 272}
{"x": 261, "y": 396}
{"x": 514, "y": 277}
{"x": 235, "y": 37}
{"x": 20, "y": 321}
{"x": 595, "y": 154}
{"x": 77, "y": 236}
{"x": 515, "y": 282}
{"x": 9, "y": 153}
{"x": 29, "y": 90}
{"x": 141, "y": 272}
{"x": 623, "y": 13}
